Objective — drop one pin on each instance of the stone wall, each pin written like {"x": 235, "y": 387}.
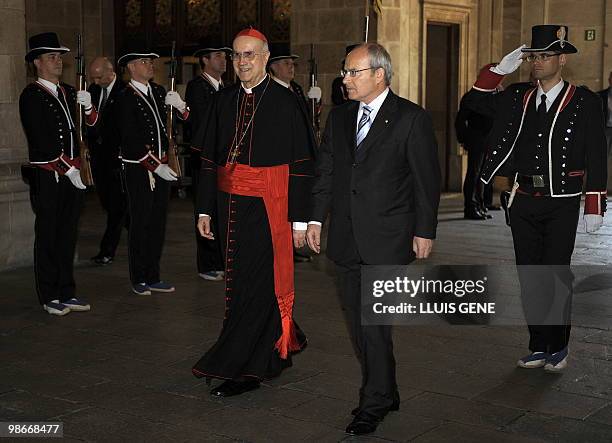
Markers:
{"x": 16, "y": 223}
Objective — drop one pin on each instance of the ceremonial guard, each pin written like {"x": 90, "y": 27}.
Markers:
{"x": 104, "y": 143}
{"x": 147, "y": 176}
{"x": 257, "y": 171}
{"x": 281, "y": 66}
{"x": 550, "y": 140}
{"x": 212, "y": 57}
{"x": 47, "y": 108}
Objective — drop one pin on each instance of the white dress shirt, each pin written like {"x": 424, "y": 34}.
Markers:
{"x": 213, "y": 81}
{"x": 551, "y": 95}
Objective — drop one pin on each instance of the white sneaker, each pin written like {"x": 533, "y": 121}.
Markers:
{"x": 54, "y": 307}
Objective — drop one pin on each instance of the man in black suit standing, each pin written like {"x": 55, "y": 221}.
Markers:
{"x": 378, "y": 176}
{"x": 105, "y": 163}
{"x": 606, "y": 102}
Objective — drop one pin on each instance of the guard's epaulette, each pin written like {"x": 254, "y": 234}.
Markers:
{"x": 585, "y": 87}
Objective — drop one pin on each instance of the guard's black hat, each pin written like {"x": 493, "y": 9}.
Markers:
{"x": 280, "y": 51}
{"x": 43, "y": 44}
{"x": 135, "y": 55}
{"x": 550, "y": 38}
{"x": 206, "y": 46}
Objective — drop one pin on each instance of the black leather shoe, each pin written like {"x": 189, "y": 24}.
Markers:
{"x": 229, "y": 388}
{"x": 474, "y": 214}
{"x": 362, "y": 424}
{"x": 394, "y": 407}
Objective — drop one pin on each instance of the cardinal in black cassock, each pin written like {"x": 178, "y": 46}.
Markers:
{"x": 257, "y": 170}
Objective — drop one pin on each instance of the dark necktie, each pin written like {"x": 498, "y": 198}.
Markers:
{"x": 104, "y": 98}
{"x": 542, "y": 107}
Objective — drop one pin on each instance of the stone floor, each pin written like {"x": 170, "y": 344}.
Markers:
{"x": 122, "y": 371}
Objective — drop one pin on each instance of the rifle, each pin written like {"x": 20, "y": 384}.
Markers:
{"x": 173, "y": 155}
{"x": 314, "y": 114}
{"x": 86, "y": 175}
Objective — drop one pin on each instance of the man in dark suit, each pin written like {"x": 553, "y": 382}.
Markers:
{"x": 378, "y": 176}
{"x": 212, "y": 57}
{"x": 606, "y": 102}
{"x": 104, "y": 147}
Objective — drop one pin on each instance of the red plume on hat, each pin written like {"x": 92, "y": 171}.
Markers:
{"x": 252, "y": 32}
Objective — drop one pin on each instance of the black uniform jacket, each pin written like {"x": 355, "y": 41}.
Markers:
{"x": 198, "y": 96}
{"x": 45, "y": 124}
{"x": 140, "y": 135}
{"x": 385, "y": 193}
{"x": 281, "y": 134}
{"x": 576, "y": 142}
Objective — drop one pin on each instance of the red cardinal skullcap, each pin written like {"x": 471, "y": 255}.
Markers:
{"x": 252, "y": 32}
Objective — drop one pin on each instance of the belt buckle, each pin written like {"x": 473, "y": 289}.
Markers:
{"x": 538, "y": 181}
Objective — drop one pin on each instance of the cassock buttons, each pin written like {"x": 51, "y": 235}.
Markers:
{"x": 569, "y": 131}
{"x": 562, "y": 182}
{"x": 566, "y": 139}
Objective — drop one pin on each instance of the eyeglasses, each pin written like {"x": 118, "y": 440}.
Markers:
{"x": 540, "y": 57}
{"x": 353, "y": 72}
{"x": 246, "y": 55}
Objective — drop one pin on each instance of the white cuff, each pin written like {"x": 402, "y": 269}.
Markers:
{"x": 203, "y": 215}
{"x": 313, "y": 222}
{"x": 300, "y": 226}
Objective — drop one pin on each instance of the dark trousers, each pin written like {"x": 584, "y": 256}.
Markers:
{"x": 57, "y": 206}
{"x": 373, "y": 344}
{"x": 208, "y": 251}
{"x": 544, "y": 232}
{"x": 472, "y": 186}
{"x": 107, "y": 177}
{"x": 147, "y": 210}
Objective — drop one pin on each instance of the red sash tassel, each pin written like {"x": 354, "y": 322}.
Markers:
{"x": 272, "y": 184}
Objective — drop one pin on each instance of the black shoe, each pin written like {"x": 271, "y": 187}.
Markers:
{"x": 102, "y": 259}
{"x": 493, "y": 208}
{"x": 229, "y": 388}
{"x": 394, "y": 407}
{"x": 474, "y": 214}
{"x": 362, "y": 424}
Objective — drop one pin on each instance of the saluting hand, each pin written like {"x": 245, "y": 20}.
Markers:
{"x": 204, "y": 227}
{"x": 510, "y": 62}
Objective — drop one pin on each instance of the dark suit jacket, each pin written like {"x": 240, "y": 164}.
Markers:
{"x": 386, "y": 193}
{"x": 104, "y": 138}
{"x": 604, "y": 103}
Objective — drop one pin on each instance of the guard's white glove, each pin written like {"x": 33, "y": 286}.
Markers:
{"x": 314, "y": 92}
{"x": 592, "y": 222}
{"x": 84, "y": 99}
{"x": 74, "y": 175}
{"x": 174, "y": 99}
{"x": 510, "y": 62}
{"x": 166, "y": 172}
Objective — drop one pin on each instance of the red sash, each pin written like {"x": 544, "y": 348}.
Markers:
{"x": 272, "y": 184}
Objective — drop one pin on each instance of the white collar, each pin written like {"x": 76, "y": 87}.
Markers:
{"x": 250, "y": 90}
{"x": 49, "y": 85}
{"x": 213, "y": 81}
{"x": 280, "y": 82}
{"x": 109, "y": 88}
{"x": 551, "y": 95}
{"x": 140, "y": 86}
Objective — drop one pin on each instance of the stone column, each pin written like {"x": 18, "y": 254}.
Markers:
{"x": 17, "y": 221}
